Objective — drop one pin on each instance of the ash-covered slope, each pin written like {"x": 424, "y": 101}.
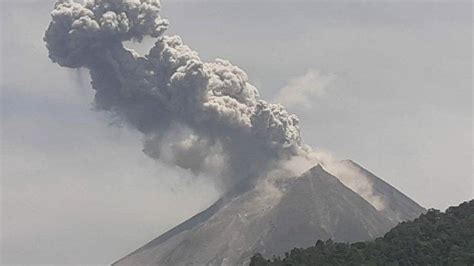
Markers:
{"x": 271, "y": 218}
{"x": 384, "y": 197}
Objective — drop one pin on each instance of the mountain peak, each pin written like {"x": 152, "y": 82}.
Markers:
{"x": 384, "y": 197}
{"x": 348, "y": 161}
{"x": 316, "y": 169}
{"x": 267, "y": 219}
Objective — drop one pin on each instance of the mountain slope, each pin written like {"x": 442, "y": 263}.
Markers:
{"x": 434, "y": 238}
{"x": 384, "y": 197}
{"x": 270, "y": 218}
{"x": 318, "y": 206}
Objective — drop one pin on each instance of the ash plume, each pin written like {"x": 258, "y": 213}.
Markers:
{"x": 201, "y": 116}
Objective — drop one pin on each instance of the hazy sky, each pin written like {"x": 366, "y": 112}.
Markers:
{"x": 388, "y": 85}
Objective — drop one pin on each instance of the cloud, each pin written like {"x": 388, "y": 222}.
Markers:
{"x": 211, "y": 106}
{"x": 300, "y": 90}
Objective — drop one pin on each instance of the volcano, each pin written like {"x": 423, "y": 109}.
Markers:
{"x": 275, "y": 216}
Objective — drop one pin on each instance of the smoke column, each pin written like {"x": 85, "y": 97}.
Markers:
{"x": 201, "y": 116}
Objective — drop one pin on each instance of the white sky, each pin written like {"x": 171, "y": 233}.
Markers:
{"x": 76, "y": 189}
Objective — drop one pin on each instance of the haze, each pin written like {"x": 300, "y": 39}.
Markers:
{"x": 388, "y": 85}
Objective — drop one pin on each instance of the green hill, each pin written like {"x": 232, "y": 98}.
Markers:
{"x": 434, "y": 238}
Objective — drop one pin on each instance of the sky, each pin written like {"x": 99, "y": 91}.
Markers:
{"x": 386, "y": 84}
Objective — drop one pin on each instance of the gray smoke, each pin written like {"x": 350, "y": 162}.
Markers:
{"x": 205, "y": 117}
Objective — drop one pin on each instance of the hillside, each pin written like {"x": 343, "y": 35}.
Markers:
{"x": 434, "y": 238}
{"x": 270, "y": 218}
{"x": 395, "y": 205}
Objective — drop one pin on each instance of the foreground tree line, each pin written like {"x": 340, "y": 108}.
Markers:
{"x": 434, "y": 238}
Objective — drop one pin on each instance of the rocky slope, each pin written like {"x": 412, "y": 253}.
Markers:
{"x": 274, "y": 217}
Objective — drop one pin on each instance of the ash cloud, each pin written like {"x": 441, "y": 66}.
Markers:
{"x": 201, "y": 116}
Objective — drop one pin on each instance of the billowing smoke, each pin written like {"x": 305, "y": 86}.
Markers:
{"x": 205, "y": 117}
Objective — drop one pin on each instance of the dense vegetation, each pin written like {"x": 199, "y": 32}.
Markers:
{"x": 434, "y": 238}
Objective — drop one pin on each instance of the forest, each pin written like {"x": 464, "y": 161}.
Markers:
{"x": 434, "y": 238}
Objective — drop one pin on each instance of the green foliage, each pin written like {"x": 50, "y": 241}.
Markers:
{"x": 434, "y": 238}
